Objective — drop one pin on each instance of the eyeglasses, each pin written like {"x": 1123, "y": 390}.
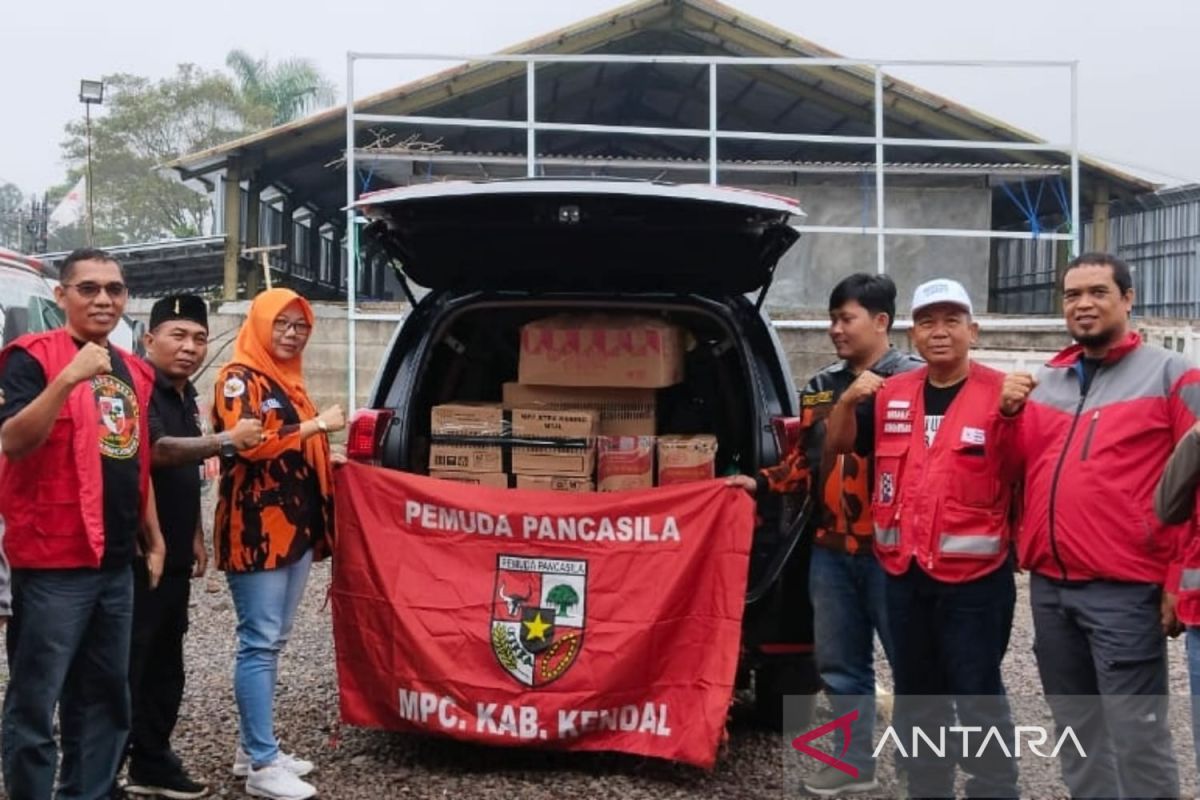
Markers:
{"x": 283, "y": 325}
{"x": 87, "y": 290}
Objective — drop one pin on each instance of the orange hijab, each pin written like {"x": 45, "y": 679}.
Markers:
{"x": 253, "y": 349}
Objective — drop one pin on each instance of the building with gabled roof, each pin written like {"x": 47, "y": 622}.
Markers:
{"x": 291, "y": 179}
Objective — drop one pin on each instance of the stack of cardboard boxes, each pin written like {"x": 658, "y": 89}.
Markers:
{"x": 583, "y": 404}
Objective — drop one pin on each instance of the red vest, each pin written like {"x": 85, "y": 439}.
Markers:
{"x": 52, "y": 500}
{"x": 947, "y": 505}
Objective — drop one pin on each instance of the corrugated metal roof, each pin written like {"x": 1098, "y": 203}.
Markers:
{"x": 366, "y": 155}
{"x": 829, "y": 99}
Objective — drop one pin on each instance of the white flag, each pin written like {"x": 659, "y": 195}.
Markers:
{"x": 72, "y": 208}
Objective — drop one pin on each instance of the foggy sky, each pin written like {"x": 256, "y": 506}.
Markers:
{"x": 1139, "y": 100}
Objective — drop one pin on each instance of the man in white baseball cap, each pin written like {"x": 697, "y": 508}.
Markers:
{"x": 940, "y": 507}
{"x": 941, "y": 290}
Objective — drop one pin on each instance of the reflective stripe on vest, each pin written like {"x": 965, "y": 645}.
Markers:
{"x": 888, "y": 537}
{"x": 1190, "y": 579}
{"x": 970, "y": 545}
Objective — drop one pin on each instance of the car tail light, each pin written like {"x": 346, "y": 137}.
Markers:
{"x": 787, "y": 433}
{"x": 367, "y": 428}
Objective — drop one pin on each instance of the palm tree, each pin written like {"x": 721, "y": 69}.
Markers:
{"x": 290, "y": 88}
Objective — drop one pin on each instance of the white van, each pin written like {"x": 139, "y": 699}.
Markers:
{"x": 27, "y": 303}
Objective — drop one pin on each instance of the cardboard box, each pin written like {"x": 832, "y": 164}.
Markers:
{"x": 468, "y": 419}
{"x": 624, "y": 462}
{"x": 466, "y": 458}
{"x": 601, "y": 350}
{"x": 554, "y": 423}
{"x": 623, "y": 411}
{"x": 683, "y": 459}
{"x": 497, "y": 479}
{"x": 555, "y": 483}
{"x": 569, "y": 461}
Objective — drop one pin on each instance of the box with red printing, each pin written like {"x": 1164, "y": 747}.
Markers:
{"x": 683, "y": 459}
{"x": 601, "y": 350}
{"x": 624, "y": 462}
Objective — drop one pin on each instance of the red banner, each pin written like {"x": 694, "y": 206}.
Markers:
{"x": 545, "y": 619}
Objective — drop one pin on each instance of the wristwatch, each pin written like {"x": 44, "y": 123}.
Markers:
{"x": 322, "y": 426}
{"x": 227, "y": 448}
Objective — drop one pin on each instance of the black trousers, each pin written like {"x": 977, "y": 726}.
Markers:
{"x": 948, "y": 640}
{"x": 1103, "y": 663}
{"x": 156, "y": 676}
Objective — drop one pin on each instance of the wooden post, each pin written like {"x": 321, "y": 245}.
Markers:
{"x": 233, "y": 225}
{"x": 264, "y": 255}
{"x": 252, "y": 236}
{"x": 1100, "y": 218}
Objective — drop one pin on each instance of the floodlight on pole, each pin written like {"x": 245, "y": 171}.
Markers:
{"x": 90, "y": 93}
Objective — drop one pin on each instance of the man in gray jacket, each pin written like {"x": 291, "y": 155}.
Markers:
{"x": 1175, "y": 503}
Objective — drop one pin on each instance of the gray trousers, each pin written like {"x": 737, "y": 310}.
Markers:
{"x": 68, "y": 644}
{"x": 1103, "y": 663}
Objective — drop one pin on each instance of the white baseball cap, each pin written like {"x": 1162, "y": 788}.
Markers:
{"x": 938, "y": 291}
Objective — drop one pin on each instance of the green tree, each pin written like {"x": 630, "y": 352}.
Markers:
{"x": 291, "y": 88}
{"x": 562, "y": 596}
{"x": 144, "y": 124}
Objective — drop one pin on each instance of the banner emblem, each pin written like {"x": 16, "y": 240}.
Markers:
{"x": 538, "y": 613}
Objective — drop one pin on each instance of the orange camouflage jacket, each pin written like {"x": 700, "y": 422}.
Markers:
{"x": 842, "y": 489}
{"x": 270, "y": 508}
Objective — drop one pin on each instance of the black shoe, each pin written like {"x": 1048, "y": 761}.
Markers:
{"x": 176, "y": 787}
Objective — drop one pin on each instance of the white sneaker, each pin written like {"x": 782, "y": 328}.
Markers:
{"x": 277, "y": 782}
{"x": 297, "y": 766}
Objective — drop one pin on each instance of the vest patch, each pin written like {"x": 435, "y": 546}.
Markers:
{"x": 973, "y": 435}
{"x": 234, "y": 387}
{"x": 818, "y": 399}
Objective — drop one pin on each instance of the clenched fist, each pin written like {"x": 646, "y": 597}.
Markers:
{"x": 1014, "y": 392}
{"x": 864, "y": 386}
{"x": 90, "y": 361}
{"x": 334, "y": 417}
{"x": 246, "y": 433}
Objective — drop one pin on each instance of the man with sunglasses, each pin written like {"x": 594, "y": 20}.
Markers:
{"x": 77, "y": 501}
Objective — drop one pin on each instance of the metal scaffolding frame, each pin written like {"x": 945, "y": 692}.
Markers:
{"x": 713, "y": 134}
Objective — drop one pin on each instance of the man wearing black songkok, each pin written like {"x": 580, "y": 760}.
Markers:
{"x": 176, "y": 345}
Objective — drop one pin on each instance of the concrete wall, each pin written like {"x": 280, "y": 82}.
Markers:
{"x": 808, "y": 272}
{"x": 325, "y": 367}
{"x": 808, "y": 349}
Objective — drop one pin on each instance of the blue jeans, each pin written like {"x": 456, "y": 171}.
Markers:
{"x": 68, "y": 644}
{"x": 266, "y": 605}
{"x": 849, "y": 608}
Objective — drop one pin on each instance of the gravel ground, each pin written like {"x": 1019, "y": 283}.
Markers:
{"x": 358, "y": 764}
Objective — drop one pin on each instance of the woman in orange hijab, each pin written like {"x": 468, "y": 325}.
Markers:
{"x": 274, "y": 517}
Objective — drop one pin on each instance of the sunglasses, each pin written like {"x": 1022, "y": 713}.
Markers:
{"x": 88, "y": 289}
{"x": 301, "y": 328}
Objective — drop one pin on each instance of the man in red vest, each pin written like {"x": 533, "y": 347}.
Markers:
{"x": 76, "y": 502}
{"x": 941, "y": 511}
{"x": 1175, "y": 503}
